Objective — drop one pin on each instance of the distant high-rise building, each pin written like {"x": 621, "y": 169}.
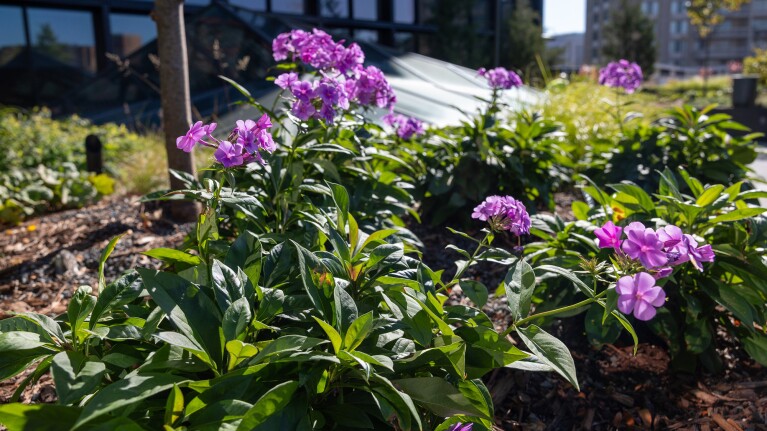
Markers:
{"x": 681, "y": 51}
{"x": 570, "y": 47}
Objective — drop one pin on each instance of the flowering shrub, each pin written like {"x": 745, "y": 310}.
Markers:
{"x": 704, "y": 249}
{"x": 405, "y": 127}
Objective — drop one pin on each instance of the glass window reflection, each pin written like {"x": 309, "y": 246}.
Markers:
{"x": 63, "y": 36}
{"x": 130, "y": 32}
{"x": 288, "y": 6}
{"x": 334, "y": 8}
{"x": 366, "y": 35}
{"x": 404, "y": 11}
{"x": 12, "y": 40}
{"x": 250, "y": 4}
{"x": 366, "y": 9}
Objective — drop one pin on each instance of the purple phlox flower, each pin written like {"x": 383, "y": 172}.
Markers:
{"x": 350, "y": 59}
{"x": 697, "y": 255}
{"x": 504, "y": 213}
{"x": 303, "y": 90}
{"x": 229, "y": 154}
{"x": 645, "y": 246}
{"x": 500, "y": 78}
{"x": 663, "y": 272}
{"x": 609, "y": 236}
{"x": 406, "y": 127}
{"x": 303, "y": 110}
{"x": 285, "y": 80}
{"x": 621, "y": 74}
{"x": 640, "y": 295}
{"x": 328, "y": 91}
{"x": 265, "y": 141}
{"x": 327, "y": 113}
{"x": 461, "y": 427}
{"x": 673, "y": 245}
{"x": 371, "y": 87}
{"x": 264, "y": 122}
{"x": 196, "y": 132}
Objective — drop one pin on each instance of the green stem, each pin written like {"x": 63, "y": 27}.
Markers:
{"x": 556, "y": 311}
{"x": 457, "y": 276}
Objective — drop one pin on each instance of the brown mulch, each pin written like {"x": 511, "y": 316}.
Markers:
{"x": 618, "y": 389}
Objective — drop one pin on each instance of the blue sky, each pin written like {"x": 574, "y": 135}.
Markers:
{"x": 564, "y": 16}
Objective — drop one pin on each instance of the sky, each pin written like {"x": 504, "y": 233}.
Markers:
{"x": 564, "y": 16}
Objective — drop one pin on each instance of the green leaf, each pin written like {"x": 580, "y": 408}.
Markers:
{"x": 237, "y": 86}
{"x": 519, "y": 285}
{"x": 174, "y": 408}
{"x": 586, "y": 290}
{"x": 638, "y": 196}
{"x": 756, "y": 347}
{"x": 345, "y": 309}
{"x": 227, "y": 286}
{"x": 580, "y": 210}
{"x": 439, "y": 396}
{"x": 191, "y": 310}
{"x": 173, "y": 256}
{"x": 315, "y": 295}
{"x": 475, "y": 291}
{"x": 75, "y": 377}
{"x": 239, "y": 351}
{"x": 550, "y": 351}
{"x": 333, "y": 335}
{"x": 709, "y": 195}
{"x": 236, "y": 318}
{"x": 358, "y": 331}
{"x": 737, "y": 215}
{"x": 270, "y": 403}
{"x": 122, "y": 291}
{"x": 246, "y": 253}
{"x": 341, "y": 199}
{"x": 102, "y": 260}
{"x": 79, "y": 308}
{"x": 18, "y": 349}
{"x": 38, "y": 417}
{"x": 124, "y": 393}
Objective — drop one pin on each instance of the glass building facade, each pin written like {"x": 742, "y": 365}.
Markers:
{"x": 89, "y": 56}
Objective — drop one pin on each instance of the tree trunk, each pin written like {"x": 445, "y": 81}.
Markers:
{"x": 174, "y": 97}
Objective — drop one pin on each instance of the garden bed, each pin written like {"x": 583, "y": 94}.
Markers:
{"x": 45, "y": 259}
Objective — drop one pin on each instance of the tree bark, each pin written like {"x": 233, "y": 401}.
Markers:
{"x": 174, "y": 98}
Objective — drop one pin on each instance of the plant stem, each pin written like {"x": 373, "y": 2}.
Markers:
{"x": 457, "y": 276}
{"x": 556, "y": 311}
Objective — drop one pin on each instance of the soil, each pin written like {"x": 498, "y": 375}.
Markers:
{"x": 44, "y": 260}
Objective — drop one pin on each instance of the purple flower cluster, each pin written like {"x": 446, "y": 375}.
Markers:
{"x": 317, "y": 49}
{"x": 504, "y": 213}
{"x": 343, "y": 79}
{"x": 461, "y": 427}
{"x": 621, "y": 74}
{"x": 500, "y": 78}
{"x": 244, "y": 144}
{"x": 406, "y": 127}
{"x": 655, "y": 250}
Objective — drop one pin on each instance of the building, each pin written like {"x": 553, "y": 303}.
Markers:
{"x": 570, "y": 51}
{"x": 49, "y": 48}
{"x": 681, "y": 51}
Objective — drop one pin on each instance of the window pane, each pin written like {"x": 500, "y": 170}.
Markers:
{"x": 334, "y": 8}
{"x": 63, "y": 36}
{"x": 366, "y": 9}
{"x": 12, "y": 41}
{"x": 131, "y": 32}
{"x": 404, "y": 11}
{"x": 250, "y": 4}
{"x": 288, "y": 6}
